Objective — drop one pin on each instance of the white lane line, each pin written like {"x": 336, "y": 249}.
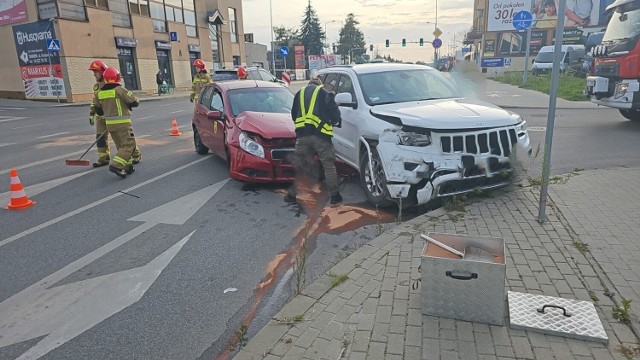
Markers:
{"x": 172, "y": 104}
{"x": 96, "y": 203}
{"x": 12, "y": 108}
{"x": 6, "y": 144}
{"x": 77, "y": 119}
{"x": 36, "y": 189}
{"x": 52, "y": 135}
{"x": 146, "y": 117}
{"x": 44, "y": 161}
{"x": 11, "y": 118}
{"x": 26, "y": 126}
{"x": 177, "y": 111}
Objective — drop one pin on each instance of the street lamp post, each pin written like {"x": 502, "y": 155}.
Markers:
{"x": 325, "y": 33}
{"x": 273, "y": 50}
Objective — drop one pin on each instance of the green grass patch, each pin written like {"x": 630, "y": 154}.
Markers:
{"x": 569, "y": 87}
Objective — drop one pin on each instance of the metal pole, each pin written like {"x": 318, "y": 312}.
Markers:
{"x": 553, "y": 93}
{"x": 50, "y": 66}
{"x": 273, "y": 51}
{"x": 435, "y": 51}
{"x": 526, "y": 58}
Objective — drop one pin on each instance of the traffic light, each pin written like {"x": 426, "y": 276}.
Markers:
{"x": 387, "y": 42}
{"x": 404, "y": 42}
{"x": 371, "y": 47}
{"x": 421, "y": 42}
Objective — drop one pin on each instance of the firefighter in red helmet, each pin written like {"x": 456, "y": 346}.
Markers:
{"x": 98, "y": 67}
{"x": 242, "y": 73}
{"x": 200, "y": 79}
{"x": 108, "y": 103}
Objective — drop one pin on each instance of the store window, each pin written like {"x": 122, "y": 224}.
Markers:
{"x": 157, "y": 14}
{"x": 510, "y": 43}
{"x": 233, "y": 25}
{"x": 120, "y": 13}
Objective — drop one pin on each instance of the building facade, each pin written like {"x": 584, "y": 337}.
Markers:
{"x": 139, "y": 37}
{"x": 493, "y": 36}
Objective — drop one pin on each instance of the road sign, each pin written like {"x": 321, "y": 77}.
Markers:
{"x": 437, "y": 32}
{"x": 436, "y": 43}
{"x": 53, "y": 45}
{"x": 284, "y": 51}
{"x": 507, "y": 62}
{"x": 174, "y": 35}
{"x": 522, "y": 20}
{"x": 492, "y": 62}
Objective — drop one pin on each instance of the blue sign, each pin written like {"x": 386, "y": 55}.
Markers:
{"x": 174, "y": 35}
{"x": 466, "y": 49}
{"x": 522, "y": 20}
{"x": 53, "y": 44}
{"x": 492, "y": 62}
{"x": 284, "y": 51}
{"x": 436, "y": 43}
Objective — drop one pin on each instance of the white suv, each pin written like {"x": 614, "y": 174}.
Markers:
{"x": 411, "y": 136}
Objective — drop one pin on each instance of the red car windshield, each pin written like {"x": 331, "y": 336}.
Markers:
{"x": 265, "y": 100}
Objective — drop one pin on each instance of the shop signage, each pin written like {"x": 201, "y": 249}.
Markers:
{"x": 163, "y": 45}
{"x": 126, "y": 42}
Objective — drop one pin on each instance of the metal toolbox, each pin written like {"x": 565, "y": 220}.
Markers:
{"x": 471, "y": 287}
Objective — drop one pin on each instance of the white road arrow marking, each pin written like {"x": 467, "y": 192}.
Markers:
{"x": 63, "y": 312}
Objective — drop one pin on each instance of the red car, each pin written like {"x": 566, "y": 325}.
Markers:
{"x": 248, "y": 123}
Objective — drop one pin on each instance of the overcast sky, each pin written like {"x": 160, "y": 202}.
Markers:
{"x": 379, "y": 20}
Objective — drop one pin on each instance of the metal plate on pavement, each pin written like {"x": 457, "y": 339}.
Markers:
{"x": 555, "y": 316}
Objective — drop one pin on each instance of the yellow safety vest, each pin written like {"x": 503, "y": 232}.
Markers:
{"x": 308, "y": 117}
{"x": 121, "y": 117}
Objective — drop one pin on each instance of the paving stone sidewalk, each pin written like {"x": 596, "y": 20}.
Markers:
{"x": 376, "y": 312}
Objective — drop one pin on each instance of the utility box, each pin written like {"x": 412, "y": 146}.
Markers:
{"x": 471, "y": 287}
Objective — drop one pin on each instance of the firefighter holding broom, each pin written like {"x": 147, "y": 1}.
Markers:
{"x": 115, "y": 103}
{"x": 102, "y": 136}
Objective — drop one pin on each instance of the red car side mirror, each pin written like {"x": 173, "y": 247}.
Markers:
{"x": 215, "y": 115}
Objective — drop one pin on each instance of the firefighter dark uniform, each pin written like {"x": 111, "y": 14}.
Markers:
{"x": 98, "y": 67}
{"x": 200, "y": 79}
{"x": 315, "y": 112}
{"x": 115, "y": 103}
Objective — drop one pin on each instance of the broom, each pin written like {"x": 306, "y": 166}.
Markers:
{"x": 79, "y": 161}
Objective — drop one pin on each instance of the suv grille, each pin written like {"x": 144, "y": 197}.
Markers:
{"x": 498, "y": 142}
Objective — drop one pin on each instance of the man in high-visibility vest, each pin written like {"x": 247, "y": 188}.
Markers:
{"x": 314, "y": 113}
{"x": 115, "y": 103}
{"x": 200, "y": 79}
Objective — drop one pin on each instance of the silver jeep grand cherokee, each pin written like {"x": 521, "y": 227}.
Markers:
{"x": 411, "y": 135}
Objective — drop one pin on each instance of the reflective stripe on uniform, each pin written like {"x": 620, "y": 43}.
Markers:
{"x": 120, "y": 161}
{"x": 106, "y": 94}
{"x": 113, "y": 120}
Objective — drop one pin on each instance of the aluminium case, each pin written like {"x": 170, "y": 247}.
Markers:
{"x": 471, "y": 288}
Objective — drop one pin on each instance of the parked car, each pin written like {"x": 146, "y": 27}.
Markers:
{"x": 414, "y": 139}
{"x": 255, "y": 73}
{"x": 248, "y": 124}
{"x": 572, "y": 59}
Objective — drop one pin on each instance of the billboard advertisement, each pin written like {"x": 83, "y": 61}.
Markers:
{"x": 40, "y": 68}
{"x": 12, "y": 11}
{"x": 299, "y": 59}
{"x": 578, "y": 13}
{"x": 317, "y": 62}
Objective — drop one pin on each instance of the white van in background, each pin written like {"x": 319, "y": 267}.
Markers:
{"x": 572, "y": 58}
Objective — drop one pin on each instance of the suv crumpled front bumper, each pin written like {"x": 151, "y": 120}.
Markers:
{"x": 456, "y": 162}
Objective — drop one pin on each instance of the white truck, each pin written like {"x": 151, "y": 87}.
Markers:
{"x": 414, "y": 139}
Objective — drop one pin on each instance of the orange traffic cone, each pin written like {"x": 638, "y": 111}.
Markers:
{"x": 174, "y": 127}
{"x": 19, "y": 199}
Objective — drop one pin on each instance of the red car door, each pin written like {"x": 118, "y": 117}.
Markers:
{"x": 203, "y": 124}
{"x": 218, "y": 124}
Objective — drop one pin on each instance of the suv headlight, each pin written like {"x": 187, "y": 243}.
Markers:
{"x": 414, "y": 139}
{"x": 521, "y": 128}
{"x": 621, "y": 89}
{"x": 249, "y": 145}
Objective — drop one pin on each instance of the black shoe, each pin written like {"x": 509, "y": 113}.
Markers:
{"x": 130, "y": 170}
{"x": 101, "y": 163}
{"x": 120, "y": 172}
{"x": 290, "y": 199}
{"x": 136, "y": 161}
{"x": 337, "y": 198}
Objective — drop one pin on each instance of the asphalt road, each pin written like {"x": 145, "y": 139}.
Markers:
{"x": 168, "y": 263}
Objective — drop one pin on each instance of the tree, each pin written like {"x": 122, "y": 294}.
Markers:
{"x": 311, "y": 34}
{"x": 350, "y": 37}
